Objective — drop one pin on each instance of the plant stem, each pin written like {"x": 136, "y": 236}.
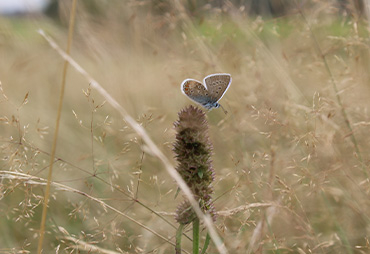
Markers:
{"x": 206, "y": 243}
{"x": 56, "y": 131}
{"x": 178, "y": 239}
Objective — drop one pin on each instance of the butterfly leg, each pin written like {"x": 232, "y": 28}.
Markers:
{"x": 225, "y": 111}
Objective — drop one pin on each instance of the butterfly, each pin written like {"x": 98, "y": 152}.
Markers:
{"x": 209, "y": 92}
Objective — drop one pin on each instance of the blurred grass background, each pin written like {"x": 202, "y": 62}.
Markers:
{"x": 285, "y": 148}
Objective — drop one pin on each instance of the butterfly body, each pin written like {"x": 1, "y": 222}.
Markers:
{"x": 209, "y": 92}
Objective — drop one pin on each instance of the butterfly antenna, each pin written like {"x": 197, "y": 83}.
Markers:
{"x": 225, "y": 111}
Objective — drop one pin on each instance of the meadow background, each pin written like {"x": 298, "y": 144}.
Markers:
{"x": 291, "y": 157}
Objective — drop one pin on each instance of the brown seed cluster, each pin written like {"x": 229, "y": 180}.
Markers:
{"x": 193, "y": 151}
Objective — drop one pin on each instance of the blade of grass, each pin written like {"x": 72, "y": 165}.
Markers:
{"x": 57, "y": 123}
{"x": 206, "y": 243}
{"x": 178, "y": 239}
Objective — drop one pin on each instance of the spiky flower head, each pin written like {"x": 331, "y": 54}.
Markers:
{"x": 193, "y": 151}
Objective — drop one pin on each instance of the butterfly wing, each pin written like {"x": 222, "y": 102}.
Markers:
{"x": 217, "y": 85}
{"x": 197, "y": 92}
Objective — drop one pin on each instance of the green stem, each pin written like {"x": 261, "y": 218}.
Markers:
{"x": 206, "y": 243}
{"x": 178, "y": 239}
{"x": 196, "y": 236}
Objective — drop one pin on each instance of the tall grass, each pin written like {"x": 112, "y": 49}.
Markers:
{"x": 289, "y": 178}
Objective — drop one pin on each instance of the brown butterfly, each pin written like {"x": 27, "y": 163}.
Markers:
{"x": 210, "y": 92}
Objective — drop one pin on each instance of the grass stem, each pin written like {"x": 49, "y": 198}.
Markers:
{"x": 57, "y": 124}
